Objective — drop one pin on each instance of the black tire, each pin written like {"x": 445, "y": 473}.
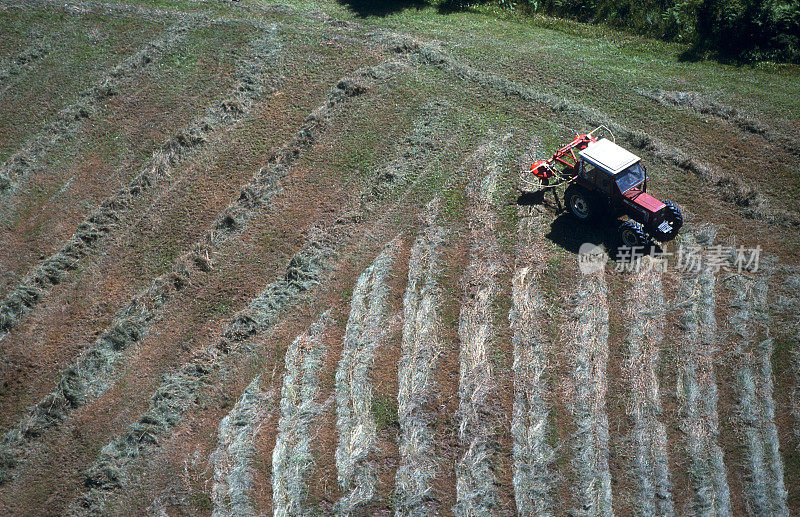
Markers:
{"x": 581, "y": 203}
{"x": 632, "y": 234}
{"x": 672, "y": 215}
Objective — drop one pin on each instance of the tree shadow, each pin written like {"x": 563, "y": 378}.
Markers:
{"x": 364, "y": 8}
{"x": 705, "y": 51}
{"x": 455, "y": 6}
{"x": 451, "y": 6}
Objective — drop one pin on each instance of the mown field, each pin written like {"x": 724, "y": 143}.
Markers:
{"x": 272, "y": 258}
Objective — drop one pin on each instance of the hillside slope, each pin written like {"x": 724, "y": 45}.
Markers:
{"x": 272, "y": 258}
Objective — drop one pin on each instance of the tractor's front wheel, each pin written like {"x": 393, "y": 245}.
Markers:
{"x": 632, "y": 234}
{"x": 671, "y": 223}
{"x": 581, "y": 203}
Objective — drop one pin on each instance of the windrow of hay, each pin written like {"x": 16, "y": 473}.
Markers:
{"x": 413, "y": 154}
{"x": 697, "y": 387}
{"x": 355, "y": 423}
{"x": 89, "y": 102}
{"x": 755, "y": 417}
{"x": 645, "y": 313}
{"x": 706, "y": 105}
{"x": 233, "y": 458}
{"x": 23, "y": 61}
{"x": 746, "y": 198}
{"x": 173, "y": 397}
{"x": 292, "y": 461}
{"x": 533, "y": 454}
{"x": 588, "y": 351}
{"x": 95, "y": 369}
{"x": 179, "y": 390}
{"x": 79, "y": 8}
{"x": 253, "y": 80}
{"x": 476, "y": 486}
{"x": 416, "y": 370}
{"x": 795, "y": 393}
{"x": 154, "y": 14}
{"x": 789, "y": 305}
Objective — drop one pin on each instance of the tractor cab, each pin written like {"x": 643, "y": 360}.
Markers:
{"x": 611, "y": 169}
{"x": 619, "y": 176}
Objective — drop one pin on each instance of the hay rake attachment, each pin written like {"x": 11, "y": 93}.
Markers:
{"x": 560, "y": 168}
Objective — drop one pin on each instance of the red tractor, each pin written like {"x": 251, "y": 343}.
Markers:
{"x": 606, "y": 180}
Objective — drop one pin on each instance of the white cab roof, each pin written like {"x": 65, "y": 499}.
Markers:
{"x": 609, "y": 156}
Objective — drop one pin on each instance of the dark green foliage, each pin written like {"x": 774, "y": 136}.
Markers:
{"x": 730, "y": 30}
{"x": 381, "y": 7}
{"x": 748, "y": 29}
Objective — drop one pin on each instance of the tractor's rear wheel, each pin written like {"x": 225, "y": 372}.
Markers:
{"x": 581, "y": 203}
{"x": 632, "y": 234}
{"x": 671, "y": 223}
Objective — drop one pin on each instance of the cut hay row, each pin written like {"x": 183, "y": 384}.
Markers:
{"x": 795, "y": 392}
{"x": 746, "y": 198}
{"x": 588, "y": 348}
{"x": 416, "y": 370}
{"x": 755, "y": 417}
{"x": 790, "y": 305}
{"x": 123, "y": 10}
{"x": 649, "y": 463}
{"x": 180, "y": 389}
{"x": 355, "y": 423}
{"x": 89, "y": 103}
{"x": 476, "y": 483}
{"x": 705, "y": 105}
{"x": 292, "y": 461}
{"x": 252, "y": 82}
{"x": 413, "y": 154}
{"x": 530, "y": 424}
{"x": 697, "y": 390}
{"x": 23, "y": 61}
{"x": 95, "y": 369}
{"x": 78, "y": 8}
{"x": 305, "y": 270}
{"x": 410, "y": 163}
{"x": 233, "y": 458}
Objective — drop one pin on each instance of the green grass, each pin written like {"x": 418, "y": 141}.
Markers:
{"x": 453, "y": 202}
{"x": 791, "y": 470}
{"x": 501, "y": 356}
{"x": 219, "y": 7}
{"x": 221, "y": 308}
{"x": 188, "y": 80}
{"x": 182, "y": 60}
{"x": 560, "y": 51}
{"x": 75, "y": 61}
{"x": 202, "y": 501}
{"x": 202, "y": 67}
{"x": 157, "y": 257}
{"x": 384, "y": 410}
{"x": 506, "y": 200}
{"x": 370, "y": 142}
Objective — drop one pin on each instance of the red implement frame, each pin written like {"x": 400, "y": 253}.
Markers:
{"x": 565, "y": 156}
